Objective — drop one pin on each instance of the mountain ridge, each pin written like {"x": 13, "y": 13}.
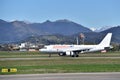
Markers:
{"x": 18, "y": 30}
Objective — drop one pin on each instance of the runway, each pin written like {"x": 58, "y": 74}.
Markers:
{"x": 64, "y": 76}
{"x": 4, "y": 59}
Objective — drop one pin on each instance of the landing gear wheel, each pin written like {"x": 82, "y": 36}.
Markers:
{"x": 77, "y": 55}
{"x": 62, "y": 54}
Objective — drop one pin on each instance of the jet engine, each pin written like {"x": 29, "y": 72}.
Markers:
{"x": 69, "y": 53}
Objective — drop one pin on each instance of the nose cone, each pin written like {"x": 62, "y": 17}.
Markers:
{"x": 39, "y": 49}
{"x": 42, "y": 50}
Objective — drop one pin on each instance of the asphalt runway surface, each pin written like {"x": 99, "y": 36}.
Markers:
{"x": 64, "y": 76}
{"x": 3, "y": 59}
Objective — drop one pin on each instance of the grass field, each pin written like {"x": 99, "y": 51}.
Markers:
{"x": 35, "y": 62}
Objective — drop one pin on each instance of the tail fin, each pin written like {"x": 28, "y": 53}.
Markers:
{"x": 106, "y": 41}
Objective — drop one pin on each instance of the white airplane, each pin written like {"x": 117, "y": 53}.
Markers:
{"x": 73, "y": 50}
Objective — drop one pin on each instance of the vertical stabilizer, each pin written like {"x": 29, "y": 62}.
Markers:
{"x": 106, "y": 41}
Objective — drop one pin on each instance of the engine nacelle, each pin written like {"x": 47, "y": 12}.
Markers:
{"x": 69, "y": 53}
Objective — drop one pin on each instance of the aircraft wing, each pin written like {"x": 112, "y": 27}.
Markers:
{"x": 76, "y": 49}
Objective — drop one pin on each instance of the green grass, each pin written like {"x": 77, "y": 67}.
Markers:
{"x": 67, "y": 68}
{"x": 4, "y": 54}
{"x": 57, "y": 64}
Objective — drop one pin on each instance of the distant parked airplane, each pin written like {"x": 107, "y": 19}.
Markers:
{"x": 74, "y": 50}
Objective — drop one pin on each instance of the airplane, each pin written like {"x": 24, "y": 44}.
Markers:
{"x": 74, "y": 50}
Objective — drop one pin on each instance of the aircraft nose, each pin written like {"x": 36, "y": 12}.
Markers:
{"x": 41, "y": 50}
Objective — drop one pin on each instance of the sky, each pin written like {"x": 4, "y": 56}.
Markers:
{"x": 89, "y": 13}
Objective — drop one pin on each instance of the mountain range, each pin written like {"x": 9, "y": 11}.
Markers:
{"x": 19, "y": 30}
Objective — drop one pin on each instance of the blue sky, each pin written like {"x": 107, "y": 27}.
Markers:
{"x": 89, "y": 13}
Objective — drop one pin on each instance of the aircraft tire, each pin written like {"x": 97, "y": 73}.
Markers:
{"x": 77, "y": 55}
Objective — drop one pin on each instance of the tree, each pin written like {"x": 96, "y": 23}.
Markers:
{"x": 82, "y": 38}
